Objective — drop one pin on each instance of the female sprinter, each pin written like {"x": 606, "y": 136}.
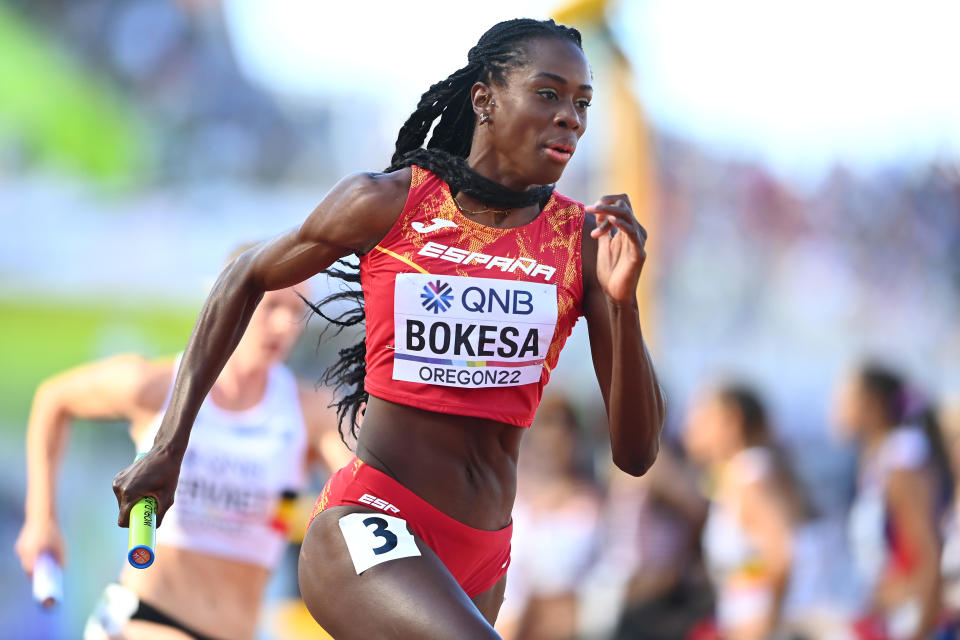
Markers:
{"x": 902, "y": 492}
{"x": 948, "y": 416}
{"x": 756, "y": 543}
{"x": 473, "y": 273}
{"x": 219, "y": 545}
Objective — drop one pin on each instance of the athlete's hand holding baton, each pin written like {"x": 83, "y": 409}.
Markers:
{"x": 141, "y": 549}
{"x": 41, "y": 551}
{"x": 146, "y": 488}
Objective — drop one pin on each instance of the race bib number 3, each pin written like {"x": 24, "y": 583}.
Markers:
{"x": 373, "y": 538}
{"x": 460, "y": 331}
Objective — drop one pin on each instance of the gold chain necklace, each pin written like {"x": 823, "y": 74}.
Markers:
{"x": 479, "y": 211}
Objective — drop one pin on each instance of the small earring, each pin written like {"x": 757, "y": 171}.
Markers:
{"x": 484, "y": 118}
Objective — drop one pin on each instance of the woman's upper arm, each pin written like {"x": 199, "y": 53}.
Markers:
{"x": 318, "y": 416}
{"x": 352, "y": 218}
{"x": 910, "y": 500}
{"x": 767, "y": 520}
{"x": 324, "y": 445}
{"x": 123, "y": 387}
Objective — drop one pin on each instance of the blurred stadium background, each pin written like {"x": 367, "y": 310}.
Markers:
{"x": 798, "y": 165}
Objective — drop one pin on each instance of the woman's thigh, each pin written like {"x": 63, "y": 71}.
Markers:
{"x": 490, "y": 601}
{"x": 391, "y": 597}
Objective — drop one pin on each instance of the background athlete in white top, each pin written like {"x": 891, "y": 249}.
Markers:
{"x": 216, "y": 549}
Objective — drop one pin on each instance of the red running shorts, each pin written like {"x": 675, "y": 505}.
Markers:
{"x": 478, "y": 559}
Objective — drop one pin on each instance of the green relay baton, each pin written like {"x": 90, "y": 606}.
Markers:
{"x": 143, "y": 531}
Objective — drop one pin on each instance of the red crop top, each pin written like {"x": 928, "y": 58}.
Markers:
{"x": 467, "y": 319}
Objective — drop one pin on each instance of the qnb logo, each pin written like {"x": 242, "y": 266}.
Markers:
{"x": 377, "y": 503}
{"x": 437, "y": 296}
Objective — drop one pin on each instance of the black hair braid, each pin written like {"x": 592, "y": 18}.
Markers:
{"x": 434, "y": 103}
{"x": 345, "y": 376}
{"x": 497, "y": 51}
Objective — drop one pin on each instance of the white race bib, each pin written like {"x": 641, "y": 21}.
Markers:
{"x": 459, "y": 331}
{"x": 373, "y": 538}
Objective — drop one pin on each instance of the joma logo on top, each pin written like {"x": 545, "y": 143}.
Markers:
{"x": 507, "y": 265}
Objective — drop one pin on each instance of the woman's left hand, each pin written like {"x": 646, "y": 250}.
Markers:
{"x": 620, "y": 255}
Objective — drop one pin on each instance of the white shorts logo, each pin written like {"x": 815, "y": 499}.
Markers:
{"x": 461, "y": 331}
{"x": 377, "y": 503}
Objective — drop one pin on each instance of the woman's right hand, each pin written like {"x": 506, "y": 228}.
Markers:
{"x": 155, "y": 474}
{"x": 37, "y": 536}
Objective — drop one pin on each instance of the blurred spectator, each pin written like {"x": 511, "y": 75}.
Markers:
{"x": 901, "y": 494}
{"x": 648, "y": 576}
{"x": 786, "y": 279}
{"x": 555, "y": 528}
{"x": 949, "y": 418}
{"x": 761, "y": 553}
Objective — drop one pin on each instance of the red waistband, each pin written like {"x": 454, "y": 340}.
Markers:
{"x": 410, "y": 505}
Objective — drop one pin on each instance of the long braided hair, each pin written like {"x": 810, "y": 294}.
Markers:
{"x": 498, "y": 50}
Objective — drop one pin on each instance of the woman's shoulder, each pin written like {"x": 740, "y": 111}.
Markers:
{"x": 905, "y": 448}
{"x": 147, "y": 380}
{"x": 359, "y": 210}
{"x": 568, "y": 210}
{"x": 377, "y": 189}
{"x": 754, "y": 464}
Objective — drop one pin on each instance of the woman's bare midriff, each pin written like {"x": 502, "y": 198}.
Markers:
{"x": 464, "y": 466}
{"x": 213, "y": 596}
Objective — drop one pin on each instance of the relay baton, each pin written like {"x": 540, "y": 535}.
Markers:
{"x": 143, "y": 531}
{"x": 47, "y": 580}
